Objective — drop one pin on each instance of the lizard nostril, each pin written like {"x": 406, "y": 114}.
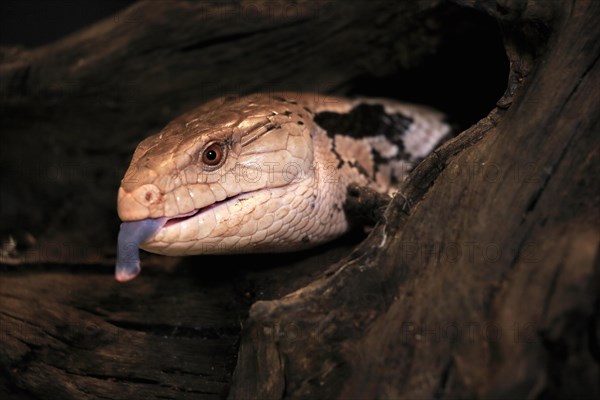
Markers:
{"x": 147, "y": 195}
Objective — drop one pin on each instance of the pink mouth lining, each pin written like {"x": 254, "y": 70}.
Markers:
{"x": 182, "y": 217}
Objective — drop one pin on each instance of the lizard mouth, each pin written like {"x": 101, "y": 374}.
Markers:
{"x": 189, "y": 215}
{"x": 184, "y": 217}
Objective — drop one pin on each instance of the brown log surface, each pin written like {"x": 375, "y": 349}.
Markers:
{"x": 481, "y": 280}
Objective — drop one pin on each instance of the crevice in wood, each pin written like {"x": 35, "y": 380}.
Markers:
{"x": 175, "y": 331}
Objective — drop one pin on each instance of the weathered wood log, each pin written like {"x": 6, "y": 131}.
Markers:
{"x": 479, "y": 282}
{"x": 488, "y": 287}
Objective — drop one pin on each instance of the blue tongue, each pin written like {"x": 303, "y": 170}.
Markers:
{"x": 131, "y": 235}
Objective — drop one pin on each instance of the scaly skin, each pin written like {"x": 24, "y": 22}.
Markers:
{"x": 283, "y": 181}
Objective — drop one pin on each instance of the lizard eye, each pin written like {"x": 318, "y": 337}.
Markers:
{"x": 213, "y": 155}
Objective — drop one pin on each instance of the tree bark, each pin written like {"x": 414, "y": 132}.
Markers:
{"x": 488, "y": 286}
{"x": 480, "y": 280}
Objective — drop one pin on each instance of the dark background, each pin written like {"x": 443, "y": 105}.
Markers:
{"x": 32, "y": 23}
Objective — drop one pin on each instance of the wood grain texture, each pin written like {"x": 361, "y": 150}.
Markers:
{"x": 488, "y": 286}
